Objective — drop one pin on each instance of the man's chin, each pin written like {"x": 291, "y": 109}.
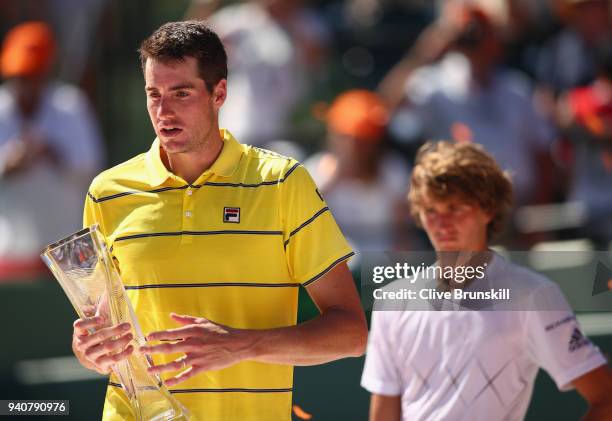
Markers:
{"x": 174, "y": 145}
{"x": 448, "y": 246}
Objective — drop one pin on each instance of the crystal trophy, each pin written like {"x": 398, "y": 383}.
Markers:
{"x": 84, "y": 268}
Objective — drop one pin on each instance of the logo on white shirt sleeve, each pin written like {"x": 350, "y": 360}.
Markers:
{"x": 577, "y": 340}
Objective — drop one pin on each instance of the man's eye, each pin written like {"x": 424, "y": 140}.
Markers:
{"x": 153, "y": 95}
{"x": 182, "y": 94}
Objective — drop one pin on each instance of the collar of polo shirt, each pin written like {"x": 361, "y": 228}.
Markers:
{"x": 224, "y": 165}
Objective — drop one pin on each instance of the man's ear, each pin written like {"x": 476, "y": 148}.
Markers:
{"x": 219, "y": 94}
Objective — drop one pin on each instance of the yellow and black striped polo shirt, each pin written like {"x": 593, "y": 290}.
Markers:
{"x": 233, "y": 247}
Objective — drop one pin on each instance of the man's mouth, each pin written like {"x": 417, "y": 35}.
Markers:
{"x": 446, "y": 237}
{"x": 170, "y": 131}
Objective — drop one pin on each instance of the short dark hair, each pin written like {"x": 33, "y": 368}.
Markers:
{"x": 174, "y": 41}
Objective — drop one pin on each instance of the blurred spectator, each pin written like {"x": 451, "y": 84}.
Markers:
{"x": 75, "y": 22}
{"x": 364, "y": 185}
{"x": 465, "y": 95}
{"x": 567, "y": 60}
{"x": 586, "y": 117}
{"x": 202, "y": 9}
{"x": 272, "y": 46}
{"x": 527, "y": 25}
{"x": 369, "y": 36}
{"x": 49, "y": 150}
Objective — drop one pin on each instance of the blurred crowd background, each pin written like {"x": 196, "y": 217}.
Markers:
{"x": 352, "y": 88}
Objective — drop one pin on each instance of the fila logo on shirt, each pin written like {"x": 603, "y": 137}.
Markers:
{"x": 231, "y": 215}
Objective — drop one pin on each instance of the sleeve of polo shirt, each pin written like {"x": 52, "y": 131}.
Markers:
{"x": 380, "y": 373}
{"x": 91, "y": 210}
{"x": 555, "y": 340}
{"x": 313, "y": 241}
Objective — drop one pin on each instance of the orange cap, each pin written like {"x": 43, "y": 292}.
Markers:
{"x": 359, "y": 114}
{"x": 28, "y": 50}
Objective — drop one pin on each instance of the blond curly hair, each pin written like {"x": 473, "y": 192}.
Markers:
{"x": 445, "y": 170}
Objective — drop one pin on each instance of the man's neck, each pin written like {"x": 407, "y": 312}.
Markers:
{"x": 190, "y": 165}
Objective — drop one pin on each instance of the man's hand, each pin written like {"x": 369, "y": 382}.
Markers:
{"x": 206, "y": 346}
{"x": 100, "y": 350}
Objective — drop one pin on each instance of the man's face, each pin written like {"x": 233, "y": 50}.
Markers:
{"x": 182, "y": 111}
{"x": 454, "y": 225}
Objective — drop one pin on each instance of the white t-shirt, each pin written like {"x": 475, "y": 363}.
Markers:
{"x": 477, "y": 365}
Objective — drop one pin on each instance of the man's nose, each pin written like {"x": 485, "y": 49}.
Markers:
{"x": 165, "y": 108}
{"x": 445, "y": 219}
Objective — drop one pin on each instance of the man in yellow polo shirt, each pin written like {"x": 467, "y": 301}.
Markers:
{"x": 213, "y": 240}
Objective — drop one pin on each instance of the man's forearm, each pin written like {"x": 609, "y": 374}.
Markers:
{"x": 385, "y": 408}
{"x": 340, "y": 331}
{"x": 335, "y": 334}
